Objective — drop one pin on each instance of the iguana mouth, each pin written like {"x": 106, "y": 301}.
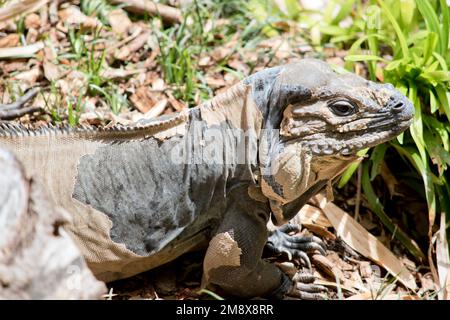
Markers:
{"x": 350, "y": 143}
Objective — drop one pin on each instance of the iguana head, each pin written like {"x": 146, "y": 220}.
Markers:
{"x": 316, "y": 120}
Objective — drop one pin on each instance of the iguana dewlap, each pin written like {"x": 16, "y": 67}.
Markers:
{"x": 141, "y": 196}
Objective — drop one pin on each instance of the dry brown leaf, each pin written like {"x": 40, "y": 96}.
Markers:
{"x": 158, "y": 84}
{"x": 328, "y": 267}
{"x": 12, "y": 66}
{"x": 125, "y": 52}
{"x": 32, "y": 21}
{"x": 73, "y": 15}
{"x": 230, "y": 79}
{"x": 156, "y": 110}
{"x": 319, "y": 231}
{"x": 119, "y": 21}
{"x": 389, "y": 179}
{"x": 176, "y": 104}
{"x": 204, "y": 61}
{"x": 28, "y": 78}
{"x": 215, "y": 81}
{"x": 327, "y": 283}
{"x": 312, "y": 215}
{"x": 11, "y": 40}
{"x": 51, "y": 71}
{"x": 112, "y": 73}
{"x": 371, "y": 295}
{"x": 239, "y": 65}
{"x": 365, "y": 243}
{"x": 220, "y": 53}
{"x": 143, "y": 99}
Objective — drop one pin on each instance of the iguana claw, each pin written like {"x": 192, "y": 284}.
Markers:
{"x": 294, "y": 246}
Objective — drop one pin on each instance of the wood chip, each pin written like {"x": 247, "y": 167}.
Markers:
{"x": 11, "y": 40}
{"x": 365, "y": 243}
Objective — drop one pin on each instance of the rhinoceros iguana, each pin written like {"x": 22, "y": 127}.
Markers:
{"x": 213, "y": 176}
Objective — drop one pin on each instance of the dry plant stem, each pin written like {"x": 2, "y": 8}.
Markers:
{"x": 168, "y": 14}
{"x": 21, "y": 52}
{"x": 16, "y": 109}
{"x": 358, "y": 193}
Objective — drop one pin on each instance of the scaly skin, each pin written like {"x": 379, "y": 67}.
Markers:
{"x": 214, "y": 175}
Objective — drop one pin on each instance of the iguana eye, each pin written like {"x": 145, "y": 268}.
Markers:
{"x": 342, "y": 108}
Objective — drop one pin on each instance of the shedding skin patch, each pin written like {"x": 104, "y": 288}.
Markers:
{"x": 223, "y": 251}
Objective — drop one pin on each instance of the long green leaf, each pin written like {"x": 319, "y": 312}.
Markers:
{"x": 432, "y": 21}
{"x": 348, "y": 173}
{"x": 398, "y": 31}
{"x": 445, "y": 25}
{"x": 364, "y": 57}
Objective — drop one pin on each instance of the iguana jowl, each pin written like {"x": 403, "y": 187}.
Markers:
{"x": 141, "y": 196}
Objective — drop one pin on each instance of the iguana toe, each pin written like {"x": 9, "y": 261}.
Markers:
{"x": 294, "y": 246}
{"x": 304, "y": 288}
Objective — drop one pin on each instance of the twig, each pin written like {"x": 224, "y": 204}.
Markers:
{"x": 167, "y": 13}
{"x": 21, "y": 52}
{"x": 16, "y": 109}
{"x": 20, "y": 8}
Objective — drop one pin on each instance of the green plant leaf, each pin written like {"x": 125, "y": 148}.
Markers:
{"x": 400, "y": 36}
{"x": 333, "y": 30}
{"x": 432, "y": 22}
{"x": 430, "y": 44}
{"x": 348, "y": 173}
{"x": 344, "y": 11}
{"x": 364, "y": 57}
{"x": 444, "y": 99}
{"x": 377, "y": 158}
{"x": 445, "y": 25}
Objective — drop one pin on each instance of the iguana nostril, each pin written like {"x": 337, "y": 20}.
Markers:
{"x": 398, "y": 106}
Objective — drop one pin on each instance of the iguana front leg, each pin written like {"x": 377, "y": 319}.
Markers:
{"x": 233, "y": 259}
